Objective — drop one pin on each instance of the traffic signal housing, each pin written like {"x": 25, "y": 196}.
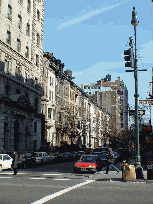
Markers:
{"x": 127, "y": 58}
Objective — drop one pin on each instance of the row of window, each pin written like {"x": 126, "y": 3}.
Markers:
{"x": 51, "y": 82}
{"x": 51, "y": 112}
{"x": 45, "y": 92}
{"x": 18, "y": 44}
{"x": 8, "y": 41}
{"x": 21, "y": 2}
{"x": 9, "y": 12}
{"x": 17, "y": 91}
{"x": 18, "y": 74}
{"x": 8, "y": 36}
{"x": 51, "y": 95}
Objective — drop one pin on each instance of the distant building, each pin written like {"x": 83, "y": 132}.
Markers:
{"x": 113, "y": 98}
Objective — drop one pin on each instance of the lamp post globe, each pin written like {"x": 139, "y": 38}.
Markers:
{"x": 134, "y": 20}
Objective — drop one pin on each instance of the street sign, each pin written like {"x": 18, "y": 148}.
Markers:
{"x": 145, "y": 102}
{"x": 140, "y": 112}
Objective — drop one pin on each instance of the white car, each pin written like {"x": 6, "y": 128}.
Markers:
{"x": 42, "y": 157}
{"x": 5, "y": 162}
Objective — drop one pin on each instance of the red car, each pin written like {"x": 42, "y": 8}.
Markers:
{"x": 88, "y": 163}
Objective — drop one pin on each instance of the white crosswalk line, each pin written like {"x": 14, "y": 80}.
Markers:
{"x": 49, "y": 197}
{"x": 52, "y": 174}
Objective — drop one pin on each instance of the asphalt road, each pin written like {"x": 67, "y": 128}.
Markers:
{"x": 56, "y": 183}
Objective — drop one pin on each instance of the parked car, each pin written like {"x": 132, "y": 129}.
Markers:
{"x": 74, "y": 155}
{"x": 67, "y": 156}
{"x": 148, "y": 158}
{"x": 57, "y": 157}
{"x": 26, "y": 160}
{"x": 101, "y": 149}
{"x": 42, "y": 157}
{"x": 5, "y": 162}
{"x": 79, "y": 154}
{"x": 90, "y": 163}
{"x": 103, "y": 157}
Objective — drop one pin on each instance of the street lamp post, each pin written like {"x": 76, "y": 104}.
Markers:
{"x": 135, "y": 22}
{"x": 139, "y": 170}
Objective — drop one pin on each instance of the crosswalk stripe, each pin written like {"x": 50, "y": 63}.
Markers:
{"x": 36, "y": 178}
{"x": 58, "y": 179}
{"x": 8, "y": 173}
{"x": 6, "y": 177}
{"x": 54, "y": 195}
{"x": 52, "y": 174}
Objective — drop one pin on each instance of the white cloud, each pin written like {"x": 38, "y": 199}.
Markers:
{"x": 77, "y": 73}
{"x": 86, "y": 16}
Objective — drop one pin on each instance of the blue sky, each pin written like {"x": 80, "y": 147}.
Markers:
{"x": 90, "y": 38}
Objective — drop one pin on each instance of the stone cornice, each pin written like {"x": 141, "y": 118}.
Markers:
{"x": 14, "y": 53}
{"x": 12, "y": 78}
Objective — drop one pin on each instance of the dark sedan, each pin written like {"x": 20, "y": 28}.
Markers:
{"x": 103, "y": 157}
{"x": 26, "y": 161}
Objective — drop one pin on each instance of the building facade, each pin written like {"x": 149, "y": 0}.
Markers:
{"x": 21, "y": 52}
{"x": 48, "y": 103}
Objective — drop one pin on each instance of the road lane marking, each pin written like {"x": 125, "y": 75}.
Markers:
{"x": 62, "y": 179}
{"x": 52, "y": 174}
{"x": 49, "y": 197}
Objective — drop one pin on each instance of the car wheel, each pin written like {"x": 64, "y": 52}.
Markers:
{"x": 0, "y": 168}
{"x": 42, "y": 162}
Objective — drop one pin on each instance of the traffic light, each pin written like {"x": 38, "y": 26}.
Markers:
{"x": 127, "y": 58}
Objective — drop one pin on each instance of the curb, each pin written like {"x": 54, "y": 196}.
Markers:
{"x": 122, "y": 180}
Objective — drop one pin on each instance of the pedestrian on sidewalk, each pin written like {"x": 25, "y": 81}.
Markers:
{"x": 110, "y": 161}
{"x": 14, "y": 163}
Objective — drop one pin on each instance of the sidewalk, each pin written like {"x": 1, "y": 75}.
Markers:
{"x": 114, "y": 176}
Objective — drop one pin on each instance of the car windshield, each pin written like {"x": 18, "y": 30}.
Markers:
{"x": 0, "y": 157}
{"x": 88, "y": 159}
{"x": 37, "y": 154}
